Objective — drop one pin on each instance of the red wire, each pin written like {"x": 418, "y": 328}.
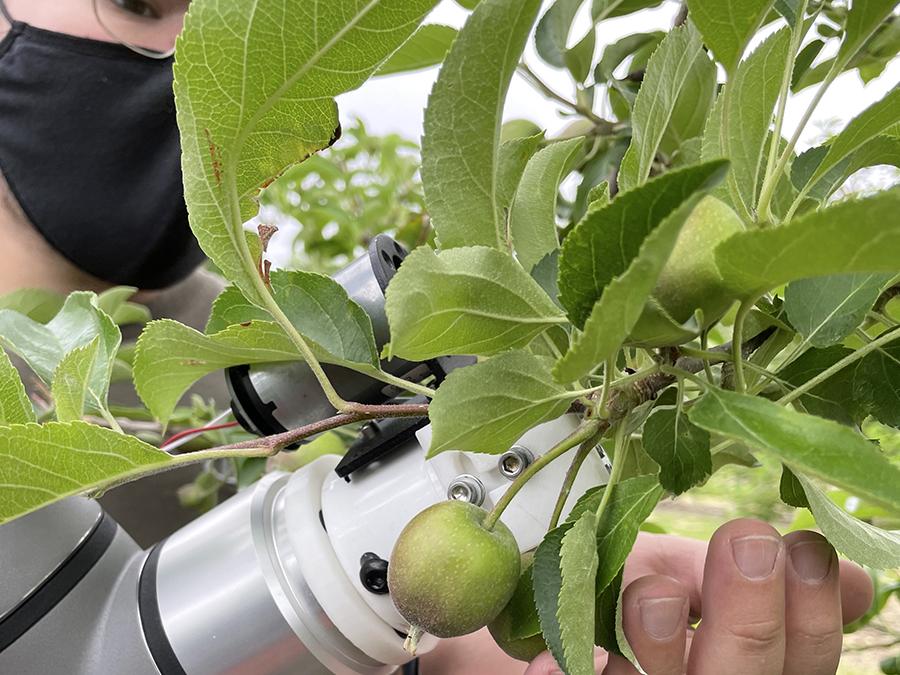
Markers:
{"x": 198, "y": 430}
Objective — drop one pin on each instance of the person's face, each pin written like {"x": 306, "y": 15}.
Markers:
{"x": 146, "y": 25}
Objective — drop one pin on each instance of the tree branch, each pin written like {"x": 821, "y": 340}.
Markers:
{"x": 606, "y": 126}
{"x": 624, "y": 399}
{"x": 359, "y": 413}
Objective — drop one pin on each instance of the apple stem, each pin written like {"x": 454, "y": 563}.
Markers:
{"x": 412, "y": 639}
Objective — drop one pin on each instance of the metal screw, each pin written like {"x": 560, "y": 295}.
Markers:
{"x": 373, "y": 573}
{"x": 466, "y": 488}
{"x": 514, "y": 461}
{"x": 369, "y": 431}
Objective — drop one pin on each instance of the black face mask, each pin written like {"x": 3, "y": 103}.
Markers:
{"x": 90, "y": 149}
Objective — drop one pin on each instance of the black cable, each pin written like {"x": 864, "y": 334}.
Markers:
{"x": 411, "y": 668}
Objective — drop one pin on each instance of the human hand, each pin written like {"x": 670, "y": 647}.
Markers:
{"x": 770, "y": 605}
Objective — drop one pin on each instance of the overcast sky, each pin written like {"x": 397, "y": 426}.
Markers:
{"x": 395, "y": 103}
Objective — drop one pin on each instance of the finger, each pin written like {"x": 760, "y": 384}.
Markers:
{"x": 618, "y": 665}
{"x": 677, "y": 557}
{"x": 545, "y": 664}
{"x": 742, "y": 631}
{"x": 857, "y": 592}
{"x": 812, "y": 622}
{"x": 475, "y": 653}
{"x": 655, "y": 613}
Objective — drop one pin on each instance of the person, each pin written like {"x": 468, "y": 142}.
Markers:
{"x": 90, "y": 185}
{"x": 90, "y": 197}
{"x": 770, "y": 605}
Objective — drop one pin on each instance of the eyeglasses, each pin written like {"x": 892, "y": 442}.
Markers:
{"x": 148, "y": 27}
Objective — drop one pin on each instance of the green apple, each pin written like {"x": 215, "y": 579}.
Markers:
{"x": 518, "y": 129}
{"x": 449, "y": 575}
{"x": 691, "y": 280}
{"x": 517, "y": 629}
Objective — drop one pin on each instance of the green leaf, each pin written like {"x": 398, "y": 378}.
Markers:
{"x": 580, "y": 58}
{"x": 657, "y": 328}
{"x": 605, "y": 606}
{"x": 546, "y": 273}
{"x": 805, "y": 443}
{"x": 533, "y": 215}
{"x": 863, "y": 19}
{"x": 338, "y": 329}
{"x": 667, "y": 72}
{"x": 473, "y": 300}
{"x": 873, "y": 121}
{"x": 834, "y": 398}
{"x": 525, "y": 622}
{"x": 603, "y": 245}
{"x": 804, "y": 60}
{"x": 36, "y": 303}
{"x": 856, "y": 539}
{"x": 749, "y": 100}
{"x": 113, "y": 298}
{"x": 877, "y": 384}
{"x": 114, "y": 301}
{"x": 547, "y": 586}
{"x": 486, "y": 407}
{"x": 231, "y": 307}
{"x": 514, "y": 156}
{"x": 791, "y": 490}
{"x": 15, "y": 408}
{"x": 70, "y": 381}
{"x": 170, "y": 357}
{"x": 34, "y": 343}
{"x": 77, "y": 323}
{"x": 425, "y": 48}
{"x": 319, "y": 307}
{"x": 788, "y": 9}
{"x": 616, "y": 53}
{"x": 631, "y": 503}
{"x": 578, "y": 568}
{"x": 691, "y": 109}
{"x": 852, "y": 236}
{"x": 728, "y": 25}
{"x": 552, "y": 33}
{"x": 825, "y": 310}
{"x": 679, "y": 447}
{"x": 608, "y": 9}
{"x": 254, "y": 91}
{"x": 460, "y": 147}
{"x": 41, "y": 464}
{"x": 881, "y": 149}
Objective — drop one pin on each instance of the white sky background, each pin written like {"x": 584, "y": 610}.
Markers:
{"x": 395, "y": 104}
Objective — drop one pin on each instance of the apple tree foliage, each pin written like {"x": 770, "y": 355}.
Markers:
{"x": 560, "y": 298}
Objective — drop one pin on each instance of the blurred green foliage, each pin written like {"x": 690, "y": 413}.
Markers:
{"x": 341, "y": 198}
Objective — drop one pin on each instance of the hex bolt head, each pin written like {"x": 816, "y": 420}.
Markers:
{"x": 466, "y": 488}
{"x": 373, "y": 573}
{"x": 514, "y": 461}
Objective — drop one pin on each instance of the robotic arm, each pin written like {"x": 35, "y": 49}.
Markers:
{"x": 288, "y": 576}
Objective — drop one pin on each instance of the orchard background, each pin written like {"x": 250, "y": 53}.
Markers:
{"x": 806, "y": 341}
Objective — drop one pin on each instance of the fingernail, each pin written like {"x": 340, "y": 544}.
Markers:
{"x": 811, "y": 560}
{"x": 661, "y": 617}
{"x": 755, "y": 555}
